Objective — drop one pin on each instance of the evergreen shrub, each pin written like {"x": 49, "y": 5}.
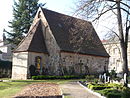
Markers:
{"x": 42, "y": 77}
{"x": 5, "y": 69}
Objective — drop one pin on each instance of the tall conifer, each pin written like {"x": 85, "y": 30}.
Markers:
{"x": 23, "y": 14}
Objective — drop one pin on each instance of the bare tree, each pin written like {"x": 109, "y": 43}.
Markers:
{"x": 94, "y": 9}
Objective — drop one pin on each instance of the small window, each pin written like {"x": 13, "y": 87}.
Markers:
{"x": 38, "y": 62}
{"x": 39, "y": 14}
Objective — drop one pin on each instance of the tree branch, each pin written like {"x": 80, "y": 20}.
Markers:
{"x": 113, "y": 32}
{"x": 102, "y": 14}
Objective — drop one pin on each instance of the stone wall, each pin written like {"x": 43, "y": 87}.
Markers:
{"x": 82, "y": 64}
{"x": 31, "y": 59}
{"x": 20, "y": 63}
{"x": 51, "y": 44}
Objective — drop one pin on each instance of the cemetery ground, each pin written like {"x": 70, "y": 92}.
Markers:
{"x": 113, "y": 88}
{"x": 10, "y": 88}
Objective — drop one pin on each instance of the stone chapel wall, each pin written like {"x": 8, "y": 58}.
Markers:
{"x": 83, "y": 64}
{"x": 52, "y": 47}
{"x": 32, "y": 57}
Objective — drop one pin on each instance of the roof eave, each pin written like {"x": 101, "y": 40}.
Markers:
{"x": 107, "y": 56}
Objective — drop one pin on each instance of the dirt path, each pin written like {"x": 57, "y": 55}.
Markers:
{"x": 74, "y": 90}
{"x": 40, "y": 90}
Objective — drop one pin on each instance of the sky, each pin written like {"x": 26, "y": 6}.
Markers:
{"x": 62, "y": 6}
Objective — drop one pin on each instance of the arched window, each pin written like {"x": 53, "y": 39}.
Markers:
{"x": 39, "y": 14}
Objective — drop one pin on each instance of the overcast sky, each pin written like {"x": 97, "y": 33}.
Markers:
{"x": 62, "y": 6}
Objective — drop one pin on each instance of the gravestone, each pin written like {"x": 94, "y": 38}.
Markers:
{"x": 125, "y": 79}
{"x": 100, "y": 77}
{"x": 105, "y": 78}
{"x": 108, "y": 79}
{"x": 125, "y": 75}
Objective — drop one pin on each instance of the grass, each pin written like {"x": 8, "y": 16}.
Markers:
{"x": 9, "y": 89}
{"x": 58, "y": 81}
{"x": 67, "y": 97}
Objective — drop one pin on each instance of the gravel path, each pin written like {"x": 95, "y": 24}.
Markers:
{"x": 74, "y": 90}
{"x": 40, "y": 90}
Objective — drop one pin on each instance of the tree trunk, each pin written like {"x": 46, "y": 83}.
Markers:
{"x": 123, "y": 43}
{"x": 124, "y": 58}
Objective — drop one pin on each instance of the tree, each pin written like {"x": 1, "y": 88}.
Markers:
{"x": 23, "y": 14}
{"x": 94, "y": 9}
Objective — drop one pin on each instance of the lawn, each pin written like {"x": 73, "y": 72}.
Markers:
{"x": 8, "y": 89}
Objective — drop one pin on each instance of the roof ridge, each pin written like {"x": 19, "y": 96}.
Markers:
{"x": 66, "y": 15}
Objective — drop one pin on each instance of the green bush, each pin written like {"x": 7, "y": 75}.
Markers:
{"x": 104, "y": 92}
{"x": 5, "y": 69}
{"x": 90, "y": 86}
{"x": 110, "y": 90}
{"x": 89, "y": 77}
{"x": 41, "y": 77}
{"x": 115, "y": 86}
{"x": 100, "y": 87}
{"x": 95, "y": 81}
{"x": 126, "y": 92}
{"x": 110, "y": 93}
{"x": 113, "y": 95}
{"x": 5, "y": 64}
{"x": 113, "y": 74}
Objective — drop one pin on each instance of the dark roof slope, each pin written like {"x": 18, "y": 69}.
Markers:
{"x": 74, "y": 35}
{"x": 34, "y": 41}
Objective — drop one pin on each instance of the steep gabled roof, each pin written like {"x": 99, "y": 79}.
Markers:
{"x": 74, "y": 35}
{"x": 71, "y": 34}
{"x": 34, "y": 41}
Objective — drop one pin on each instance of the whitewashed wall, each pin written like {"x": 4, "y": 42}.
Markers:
{"x": 20, "y": 63}
{"x": 6, "y": 52}
{"x": 115, "y": 61}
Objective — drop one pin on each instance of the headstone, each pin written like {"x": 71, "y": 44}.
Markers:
{"x": 105, "y": 78}
{"x": 125, "y": 76}
{"x": 100, "y": 77}
{"x": 108, "y": 79}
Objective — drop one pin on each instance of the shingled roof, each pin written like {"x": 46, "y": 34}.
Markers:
{"x": 74, "y": 35}
{"x": 71, "y": 34}
{"x": 34, "y": 41}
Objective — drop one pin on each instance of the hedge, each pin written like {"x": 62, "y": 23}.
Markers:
{"x": 5, "y": 64}
{"x": 5, "y": 69}
{"x": 111, "y": 90}
{"x": 42, "y": 77}
{"x": 114, "y": 95}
